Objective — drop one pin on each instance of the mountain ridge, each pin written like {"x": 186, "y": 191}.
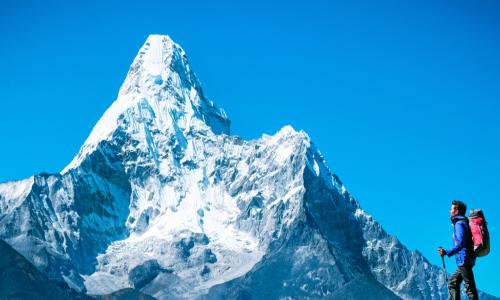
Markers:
{"x": 161, "y": 197}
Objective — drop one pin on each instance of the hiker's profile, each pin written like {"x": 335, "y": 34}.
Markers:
{"x": 463, "y": 249}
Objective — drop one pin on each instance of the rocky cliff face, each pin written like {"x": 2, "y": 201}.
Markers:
{"x": 162, "y": 198}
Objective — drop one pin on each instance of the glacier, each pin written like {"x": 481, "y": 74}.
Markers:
{"x": 162, "y": 198}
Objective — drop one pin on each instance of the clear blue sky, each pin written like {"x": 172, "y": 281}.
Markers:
{"x": 402, "y": 97}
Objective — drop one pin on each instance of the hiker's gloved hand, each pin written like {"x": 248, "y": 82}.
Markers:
{"x": 441, "y": 251}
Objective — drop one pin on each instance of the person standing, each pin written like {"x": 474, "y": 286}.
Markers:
{"x": 463, "y": 249}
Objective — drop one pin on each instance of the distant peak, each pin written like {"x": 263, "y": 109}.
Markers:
{"x": 155, "y": 55}
{"x": 160, "y": 90}
{"x": 161, "y": 37}
{"x": 156, "y": 60}
{"x": 158, "y": 41}
{"x": 157, "y": 48}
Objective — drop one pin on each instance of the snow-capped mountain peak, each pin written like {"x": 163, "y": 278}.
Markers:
{"x": 161, "y": 198}
{"x": 157, "y": 59}
{"x": 155, "y": 55}
{"x": 160, "y": 93}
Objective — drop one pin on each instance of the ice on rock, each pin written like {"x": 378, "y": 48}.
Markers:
{"x": 12, "y": 194}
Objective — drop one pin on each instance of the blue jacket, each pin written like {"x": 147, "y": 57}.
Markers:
{"x": 463, "y": 248}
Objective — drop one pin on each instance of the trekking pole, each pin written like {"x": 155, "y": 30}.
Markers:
{"x": 450, "y": 295}
{"x": 444, "y": 267}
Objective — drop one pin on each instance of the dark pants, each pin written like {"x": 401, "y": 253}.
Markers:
{"x": 466, "y": 275}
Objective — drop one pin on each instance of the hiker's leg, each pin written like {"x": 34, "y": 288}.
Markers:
{"x": 454, "y": 284}
{"x": 469, "y": 282}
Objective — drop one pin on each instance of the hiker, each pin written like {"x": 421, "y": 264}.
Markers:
{"x": 463, "y": 249}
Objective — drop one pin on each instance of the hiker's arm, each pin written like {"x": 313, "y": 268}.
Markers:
{"x": 459, "y": 235}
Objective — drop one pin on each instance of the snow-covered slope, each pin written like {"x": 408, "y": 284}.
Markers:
{"x": 162, "y": 198}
